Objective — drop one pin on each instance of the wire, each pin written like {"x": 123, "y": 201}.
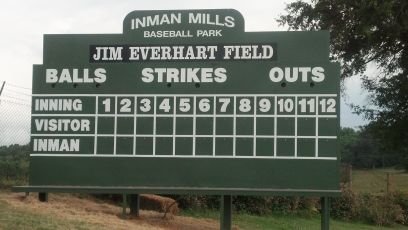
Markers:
{"x": 15, "y": 91}
{"x": 17, "y": 86}
{"x": 15, "y": 98}
{"x": 13, "y": 102}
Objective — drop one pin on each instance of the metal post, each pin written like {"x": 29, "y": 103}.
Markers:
{"x": 124, "y": 204}
{"x": 226, "y": 212}
{"x": 134, "y": 204}
{"x": 2, "y": 87}
{"x": 43, "y": 197}
{"x": 325, "y": 218}
{"x": 389, "y": 182}
{"x": 351, "y": 176}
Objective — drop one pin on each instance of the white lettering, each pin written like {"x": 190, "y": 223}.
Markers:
{"x": 75, "y": 76}
{"x": 155, "y": 20}
{"x": 56, "y": 145}
{"x": 65, "y": 125}
{"x": 291, "y": 74}
{"x": 190, "y": 75}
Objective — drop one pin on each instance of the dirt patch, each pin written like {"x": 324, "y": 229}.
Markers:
{"x": 96, "y": 212}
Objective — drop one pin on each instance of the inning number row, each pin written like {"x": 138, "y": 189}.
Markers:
{"x": 267, "y": 105}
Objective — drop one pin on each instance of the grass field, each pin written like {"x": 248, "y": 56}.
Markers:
{"x": 283, "y": 222}
{"x": 15, "y": 218}
{"x": 375, "y": 180}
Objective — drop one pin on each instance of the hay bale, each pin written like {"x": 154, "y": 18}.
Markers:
{"x": 159, "y": 204}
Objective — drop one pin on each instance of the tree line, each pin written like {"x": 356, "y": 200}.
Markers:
{"x": 363, "y": 149}
{"x": 14, "y": 164}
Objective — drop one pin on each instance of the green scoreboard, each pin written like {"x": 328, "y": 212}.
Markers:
{"x": 186, "y": 101}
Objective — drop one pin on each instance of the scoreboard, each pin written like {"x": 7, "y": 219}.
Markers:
{"x": 186, "y": 101}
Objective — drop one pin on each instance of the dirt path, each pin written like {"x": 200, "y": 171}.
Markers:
{"x": 96, "y": 212}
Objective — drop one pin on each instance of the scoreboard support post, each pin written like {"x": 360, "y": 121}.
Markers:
{"x": 43, "y": 196}
{"x": 124, "y": 204}
{"x": 134, "y": 204}
{"x": 226, "y": 212}
{"x": 325, "y": 212}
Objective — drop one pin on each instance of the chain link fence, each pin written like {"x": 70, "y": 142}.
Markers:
{"x": 15, "y": 113}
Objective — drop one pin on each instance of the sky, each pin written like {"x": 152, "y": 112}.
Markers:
{"x": 23, "y": 24}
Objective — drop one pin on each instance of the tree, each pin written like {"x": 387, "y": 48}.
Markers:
{"x": 368, "y": 151}
{"x": 362, "y": 149}
{"x": 347, "y": 137}
{"x": 14, "y": 164}
{"x": 362, "y": 32}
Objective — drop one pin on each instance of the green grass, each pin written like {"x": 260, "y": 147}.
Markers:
{"x": 283, "y": 222}
{"x": 13, "y": 218}
{"x": 375, "y": 180}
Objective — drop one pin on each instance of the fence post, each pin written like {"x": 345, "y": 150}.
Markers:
{"x": 389, "y": 182}
{"x": 350, "y": 171}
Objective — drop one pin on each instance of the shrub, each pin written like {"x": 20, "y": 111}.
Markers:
{"x": 402, "y": 200}
{"x": 383, "y": 210}
{"x": 344, "y": 207}
{"x": 257, "y": 205}
{"x": 197, "y": 201}
{"x": 309, "y": 204}
{"x": 379, "y": 210}
{"x": 260, "y": 205}
{"x": 284, "y": 204}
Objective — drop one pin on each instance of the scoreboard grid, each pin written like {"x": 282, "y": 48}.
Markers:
{"x": 173, "y": 114}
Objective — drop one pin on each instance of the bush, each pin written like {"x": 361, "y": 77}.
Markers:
{"x": 402, "y": 200}
{"x": 257, "y": 205}
{"x": 383, "y": 210}
{"x": 344, "y": 207}
{"x": 197, "y": 201}
{"x": 379, "y": 210}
